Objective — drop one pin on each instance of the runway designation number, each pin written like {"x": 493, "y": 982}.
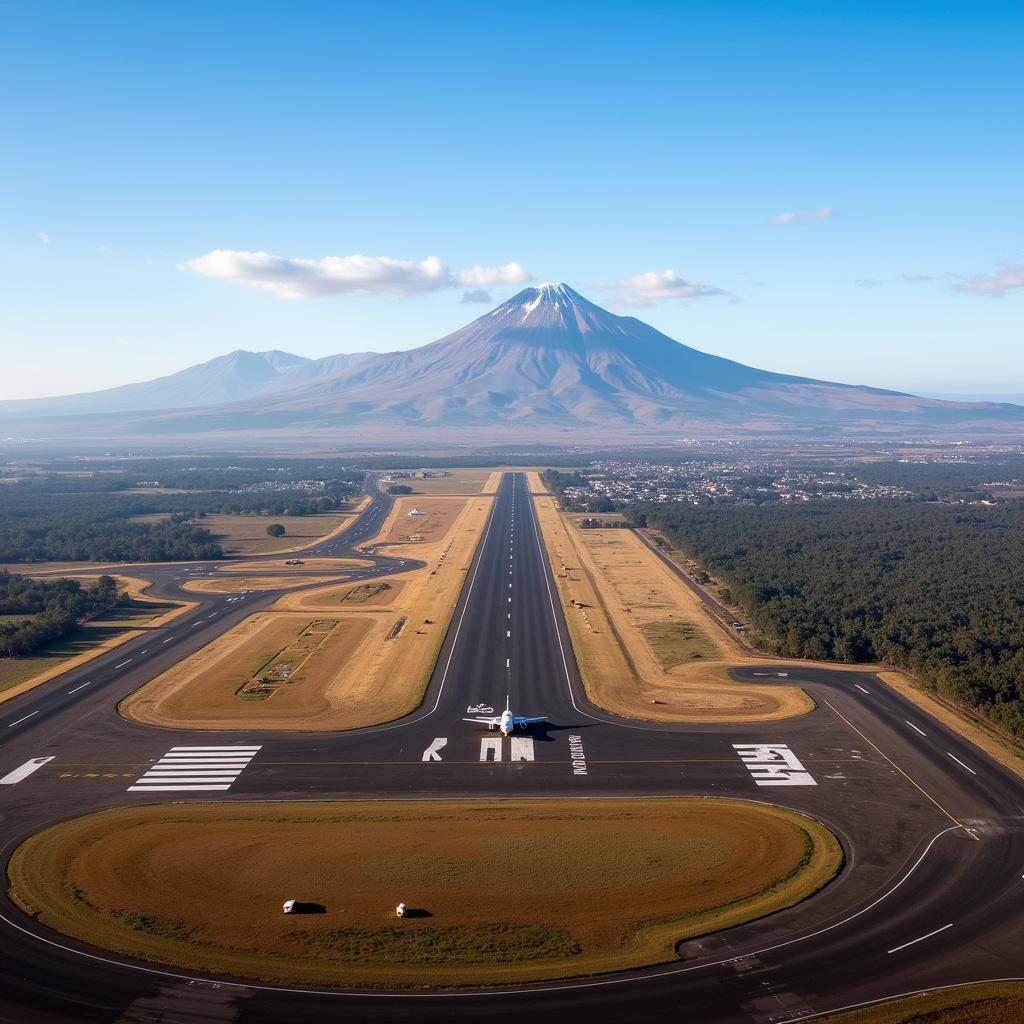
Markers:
{"x": 773, "y": 764}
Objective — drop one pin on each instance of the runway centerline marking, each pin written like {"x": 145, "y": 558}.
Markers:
{"x": 123, "y": 663}
{"x": 81, "y": 687}
{"x": 25, "y": 719}
{"x": 921, "y": 939}
{"x": 915, "y": 728}
{"x": 916, "y": 785}
{"x": 862, "y": 690}
{"x": 962, "y": 765}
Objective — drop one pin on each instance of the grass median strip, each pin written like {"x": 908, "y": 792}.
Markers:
{"x": 498, "y": 892}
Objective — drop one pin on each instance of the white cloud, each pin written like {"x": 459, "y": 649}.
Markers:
{"x": 803, "y": 216}
{"x": 656, "y": 286}
{"x": 867, "y": 282}
{"x": 996, "y": 285}
{"x": 43, "y": 237}
{"x": 487, "y": 277}
{"x": 475, "y": 296}
{"x": 912, "y": 276}
{"x": 294, "y": 278}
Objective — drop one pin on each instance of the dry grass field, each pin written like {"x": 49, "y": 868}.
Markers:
{"x": 219, "y": 686}
{"x": 459, "y": 481}
{"x": 377, "y": 668}
{"x": 645, "y": 647}
{"x": 611, "y": 884}
{"x": 972, "y": 1004}
{"x": 247, "y": 534}
{"x": 430, "y": 528}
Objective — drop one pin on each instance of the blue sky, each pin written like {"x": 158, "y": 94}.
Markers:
{"x": 787, "y": 163}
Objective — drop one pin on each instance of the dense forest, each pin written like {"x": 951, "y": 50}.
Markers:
{"x": 55, "y": 607}
{"x": 99, "y": 526}
{"x": 936, "y": 589}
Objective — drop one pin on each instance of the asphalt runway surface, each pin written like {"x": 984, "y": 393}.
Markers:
{"x": 932, "y": 828}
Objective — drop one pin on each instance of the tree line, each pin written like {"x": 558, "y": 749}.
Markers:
{"x": 935, "y": 589}
{"x": 55, "y": 606}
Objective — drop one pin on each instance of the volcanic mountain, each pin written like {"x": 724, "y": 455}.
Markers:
{"x": 548, "y": 362}
{"x": 548, "y": 357}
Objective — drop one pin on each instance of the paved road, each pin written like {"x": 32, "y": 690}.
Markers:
{"x": 933, "y": 830}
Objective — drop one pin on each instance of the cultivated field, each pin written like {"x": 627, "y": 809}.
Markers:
{"x": 374, "y": 668}
{"x": 645, "y": 647}
{"x": 606, "y": 884}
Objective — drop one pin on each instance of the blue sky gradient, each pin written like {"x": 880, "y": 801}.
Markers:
{"x": 588, "y": 142}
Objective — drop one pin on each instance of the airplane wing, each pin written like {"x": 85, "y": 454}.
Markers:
{"x": 523, "y": 720}
{"x": 485, "y": 721}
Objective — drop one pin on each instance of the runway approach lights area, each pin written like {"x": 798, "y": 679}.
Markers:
{"x": 506, "y": 721}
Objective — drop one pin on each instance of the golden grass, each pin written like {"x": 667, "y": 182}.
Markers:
{"x": 202, "y": 691}
{"x": 638, "y": 630}
{"x": 240, "y": 534}
{"x": 508, "y": 891}
{"x": 970, "y": 1004}
{"x": 402, "y": 528}
{"x": 372, "y": 679}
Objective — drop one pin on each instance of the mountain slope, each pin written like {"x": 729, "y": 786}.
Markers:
{"x": 549, "y": 357}
{"x": 547, "y": 362}
{"x": 227, "y": 378}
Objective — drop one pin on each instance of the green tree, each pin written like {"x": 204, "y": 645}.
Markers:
{"x": 275, "y": 530}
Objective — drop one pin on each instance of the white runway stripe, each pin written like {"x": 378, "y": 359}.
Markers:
{"x": 189, "y": 769}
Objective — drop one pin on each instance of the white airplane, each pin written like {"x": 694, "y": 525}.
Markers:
{"x": 506, "y": 721}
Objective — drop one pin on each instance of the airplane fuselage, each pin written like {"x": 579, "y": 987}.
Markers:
{"x": 507, "y": 723}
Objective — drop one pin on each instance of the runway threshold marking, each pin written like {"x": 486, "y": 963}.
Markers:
{"x": 924, "y": 792}
{"x": 12, "y": 778}
{"x": 184, "y": 769}
{"x": 913, "y": 942}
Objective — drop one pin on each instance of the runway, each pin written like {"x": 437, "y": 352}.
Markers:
{"x": 932, "y": 828}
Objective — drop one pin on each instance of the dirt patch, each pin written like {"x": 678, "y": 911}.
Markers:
{"x": 611, "y": 884}
{"x": 644, "y": 645}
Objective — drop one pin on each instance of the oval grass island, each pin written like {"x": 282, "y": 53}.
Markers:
{"x": 499, "y": 891}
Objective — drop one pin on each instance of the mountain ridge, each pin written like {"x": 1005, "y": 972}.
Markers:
{"x": 549, "y": 361}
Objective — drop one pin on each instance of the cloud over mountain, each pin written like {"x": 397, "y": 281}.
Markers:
{"x": 298, "y": 278}
{"x": 657, "y": 286}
